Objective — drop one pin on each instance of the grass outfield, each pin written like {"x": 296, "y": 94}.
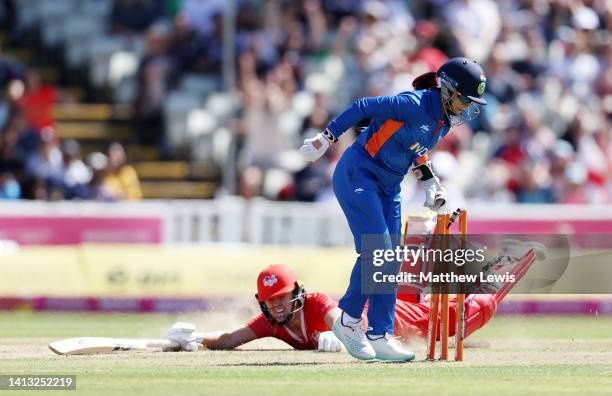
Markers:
{"x": 511, "y": 355}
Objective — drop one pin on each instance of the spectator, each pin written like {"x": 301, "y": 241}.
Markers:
{"x": 251, "y": 182}
{"x": 534, "y": 184}
{"x": 11, "y": 159}
{"x": 11, "y": 69}
{"x": 9, "y": 187}
{"x": 319, "y": 116}
{"x": 46, "y": 164}
{"x": 155, "y": 77}
{"x": 199, "y": 14}
{"x": 76, "y": 174}
{"x": 97, "y": 190}
{"x": 135, "y": 16}
{"x": 562, "y": 155}
{"x": 188, "y": 47}
{"x": 121, "y": 180}
{"x": 575, "y": 191}
{"x": 475, "y": 25}
{"x": 426, "y": 34}
{"x": 264, "y": 102}
{"x": 37, "y": 102}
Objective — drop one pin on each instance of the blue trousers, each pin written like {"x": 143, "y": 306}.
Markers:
{"x": 369, "y": 209}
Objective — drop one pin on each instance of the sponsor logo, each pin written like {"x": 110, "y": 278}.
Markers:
{"x": 424, "y": 128}
{"x": 359, "y": 190}
{"x": 419, "y": 149}
{"x": 269, "y": 280}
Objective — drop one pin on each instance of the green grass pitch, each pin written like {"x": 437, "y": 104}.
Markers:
{"x": 511, "y": 355}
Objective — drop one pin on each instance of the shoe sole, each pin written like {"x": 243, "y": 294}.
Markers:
{"x": 379, "y": 358}
{"x": 376, "y": 360}
{"x": 339, "y": 335}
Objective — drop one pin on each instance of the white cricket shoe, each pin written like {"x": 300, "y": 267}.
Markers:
{"x": 389, "y": 348}
{"x": 349, "y": 332}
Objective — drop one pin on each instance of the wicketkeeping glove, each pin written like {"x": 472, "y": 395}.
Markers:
{"x": 435, "y": 195}
{"x": 314, "y": 148}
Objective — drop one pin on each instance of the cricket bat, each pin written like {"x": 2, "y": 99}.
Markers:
{"x": 93, "y": 345}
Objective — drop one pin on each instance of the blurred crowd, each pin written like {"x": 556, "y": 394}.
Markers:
{"x": 36, "y": 164}
{"x": 543, "y": 138}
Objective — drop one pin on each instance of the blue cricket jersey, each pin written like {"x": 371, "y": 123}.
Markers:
{"x": 403, "y": 129}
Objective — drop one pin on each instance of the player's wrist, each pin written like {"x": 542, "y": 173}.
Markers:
{"x": 329, "y": 136}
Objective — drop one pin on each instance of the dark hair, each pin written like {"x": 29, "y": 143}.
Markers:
{"x": 425, "y": 81}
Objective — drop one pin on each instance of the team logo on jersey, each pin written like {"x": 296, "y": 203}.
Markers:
{"x": 269, "y": 280}
{"x": 419, "y": 149}
{"x": 424, "y": 128}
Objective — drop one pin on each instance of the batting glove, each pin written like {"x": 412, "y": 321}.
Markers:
{"x": 328, "y": 342}
{"x": 185, "y": 335}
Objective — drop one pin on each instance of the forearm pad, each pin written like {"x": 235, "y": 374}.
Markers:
{"x": 424, "y": 171}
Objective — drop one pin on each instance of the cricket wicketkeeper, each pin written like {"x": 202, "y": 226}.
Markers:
{"x": 402, "y": 130}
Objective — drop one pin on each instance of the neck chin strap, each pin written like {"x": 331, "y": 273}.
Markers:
{"x": 297, "y": 303}
{"x": 289, "y": 316}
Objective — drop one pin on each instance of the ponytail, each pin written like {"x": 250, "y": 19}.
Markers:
{"x": 425, "y": 81}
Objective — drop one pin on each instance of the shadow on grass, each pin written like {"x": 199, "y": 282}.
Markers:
{"x": 270, "y": 364}
{"x": 259, "y": 350}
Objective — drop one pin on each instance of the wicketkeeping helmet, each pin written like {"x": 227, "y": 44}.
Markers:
{"x": 463, "y": 77}
{"x": 275, "y": 281}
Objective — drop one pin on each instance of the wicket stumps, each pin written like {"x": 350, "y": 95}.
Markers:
{"x": 439, "y": 305}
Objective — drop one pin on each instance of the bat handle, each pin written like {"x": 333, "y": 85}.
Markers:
{"x": 163, "y": 343}
{"x": 453, "y": 218}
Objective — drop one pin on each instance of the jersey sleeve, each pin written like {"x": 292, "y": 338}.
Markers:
{"x": 260, "y": 326}
{"x": 398, "y": 108}
{"x": 322, "y": 304}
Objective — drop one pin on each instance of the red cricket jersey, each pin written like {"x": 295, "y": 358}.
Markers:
{"x": 316, "y": 306}
{"x": 411, "y": 320}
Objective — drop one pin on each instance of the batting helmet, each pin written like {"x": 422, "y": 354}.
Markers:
{"x": 465, "y": 76}
{"x": 464, "y": 79}
{"x": 275, "y": 281}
